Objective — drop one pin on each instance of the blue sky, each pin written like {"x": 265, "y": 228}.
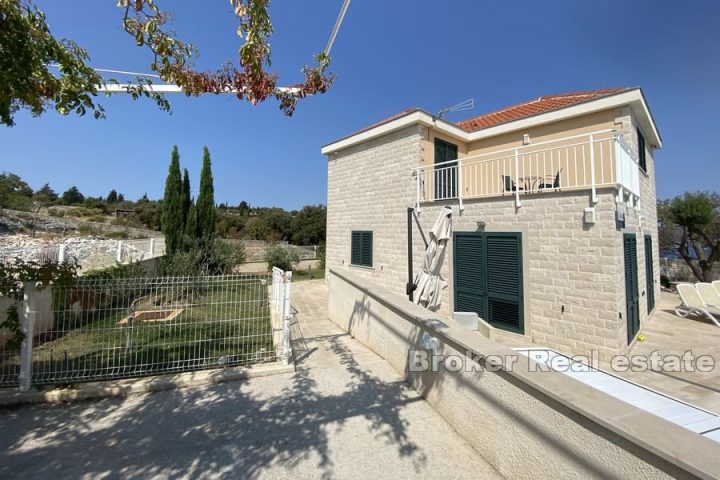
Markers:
{"x": 389, "y": 55}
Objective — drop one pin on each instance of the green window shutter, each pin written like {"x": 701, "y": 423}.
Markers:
{"x": 367, "y": 249}
{"x": 631, "y": 285}
{"x": 361, "y": 248}
{"x": 470, "y": 274}
{"x": 642, "y": 160}
{"x": 504, "y": 279}
{"x": 649, "y": 274}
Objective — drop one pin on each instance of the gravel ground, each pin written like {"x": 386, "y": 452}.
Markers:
{"x": 86, "y": 250}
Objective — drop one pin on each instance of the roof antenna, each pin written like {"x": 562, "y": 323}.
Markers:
{"x": 468, "y": 104}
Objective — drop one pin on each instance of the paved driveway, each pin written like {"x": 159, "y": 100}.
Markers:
{"x": 344, "y": 414}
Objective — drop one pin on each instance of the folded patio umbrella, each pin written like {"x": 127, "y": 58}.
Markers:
{"x": 430, "y": 283}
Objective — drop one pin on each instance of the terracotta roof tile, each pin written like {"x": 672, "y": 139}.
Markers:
{"x": 540, "y": 105}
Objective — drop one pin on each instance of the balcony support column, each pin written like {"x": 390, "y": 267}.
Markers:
{"x": 593, "y": 194}
{"x": 418, "y": 175}
{"x": 517, "y": 178}
{"x": 460, "y": 185}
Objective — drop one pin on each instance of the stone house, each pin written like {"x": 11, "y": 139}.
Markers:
{"x": 554, "y": 219}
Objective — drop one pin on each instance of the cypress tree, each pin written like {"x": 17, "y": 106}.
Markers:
{"x": 172, "y": 216}
{"x": 206, "y": 200}
{"x": 191, "y": 226}
{"x": 186, "y": 196}
{"x": 112, "y": 196}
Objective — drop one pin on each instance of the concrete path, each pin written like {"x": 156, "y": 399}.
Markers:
{"x": 343, "y": 414}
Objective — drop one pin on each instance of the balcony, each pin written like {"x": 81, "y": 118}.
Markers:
{"x": 582, "y": 162}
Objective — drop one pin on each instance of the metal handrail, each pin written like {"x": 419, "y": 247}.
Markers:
{"x": 526, "y": 147}
{"x": 515, "y": 160}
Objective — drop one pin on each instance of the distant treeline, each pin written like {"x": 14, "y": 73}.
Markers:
{"x": 300, "y": 227}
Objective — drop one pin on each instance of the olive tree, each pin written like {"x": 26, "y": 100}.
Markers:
{"x": 690, "y": 225}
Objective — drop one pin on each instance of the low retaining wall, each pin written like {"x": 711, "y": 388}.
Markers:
{"x": 525, "y": 423}
{"x": 262, "y": 267}
{"x": 39, "y": 301}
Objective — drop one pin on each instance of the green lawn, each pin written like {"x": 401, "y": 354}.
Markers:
{"x": 313, "y": 274}
{"x": 217, "y": 327}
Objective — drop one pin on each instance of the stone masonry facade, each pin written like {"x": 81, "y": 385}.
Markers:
{"x": 370, "y": 187}
{"x": 573, "y": 282}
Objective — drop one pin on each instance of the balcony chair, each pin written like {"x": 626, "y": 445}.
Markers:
{"x": 693, "y": 303}
{"x": 508, "y": 184}
{"x": 555, "y": 184}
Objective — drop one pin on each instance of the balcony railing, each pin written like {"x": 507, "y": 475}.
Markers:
{"x": 581, "y": 162}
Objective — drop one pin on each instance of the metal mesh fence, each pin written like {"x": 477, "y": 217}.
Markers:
{"x": 113, "y": 328}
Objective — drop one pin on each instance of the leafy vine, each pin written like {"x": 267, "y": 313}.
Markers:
{"x": 13, "y": 277}
{"x": 147, "y": 23}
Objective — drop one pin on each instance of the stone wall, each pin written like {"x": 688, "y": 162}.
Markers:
{"x": 641, "y": 222}
{"x": 570, "y": 269}
{"x": 370, "y": 187}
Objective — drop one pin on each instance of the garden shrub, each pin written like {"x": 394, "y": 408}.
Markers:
{"x": 282, "y": 258}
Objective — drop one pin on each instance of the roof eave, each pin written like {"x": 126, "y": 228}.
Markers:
{"x": 411, "y": 118}
{"x": 633, "y": 97}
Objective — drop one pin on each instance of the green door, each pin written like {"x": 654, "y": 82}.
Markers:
{"x": 470, "y": 274}
{"x": 488, "y": 277}
{"x": 446, "y": 173}
{"x": 649, "y": 276}
{"x": 632, "y": 296}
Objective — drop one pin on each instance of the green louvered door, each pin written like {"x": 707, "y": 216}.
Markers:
{"x": 649, "y": 274}
{"x": 504, "y": 279}
{"x": 632, "y": 295}
{"x": 470, "y": 274}
{"x": 488, "y": 277}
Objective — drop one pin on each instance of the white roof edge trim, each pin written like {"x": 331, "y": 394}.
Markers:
{"x": 418, "y": 117}
{"x": 631, "y": 97}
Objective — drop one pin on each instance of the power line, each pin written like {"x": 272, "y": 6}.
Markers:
{"x": 338, "y": 22}
{"x": 123, "y": 72}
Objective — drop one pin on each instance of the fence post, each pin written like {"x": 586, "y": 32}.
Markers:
{"x": 118, "y": 253}
{"x": 61, "y": 254}
{"x": 27, "y": 326}
{"x": 152, "y": 248}
{"x": 287, "y": 313}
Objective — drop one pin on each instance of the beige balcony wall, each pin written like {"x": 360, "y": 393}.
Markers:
{"x": 572, "y": 173}
{"x": 543, "y": 133}
{"x": 482, "y": 172}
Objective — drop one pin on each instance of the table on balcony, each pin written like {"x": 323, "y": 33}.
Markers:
{"x": 530, "y": 182}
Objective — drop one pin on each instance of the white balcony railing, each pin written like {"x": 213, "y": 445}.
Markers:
{"x": 581, "y": 162}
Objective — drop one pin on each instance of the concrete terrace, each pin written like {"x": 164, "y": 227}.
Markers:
{"x": 669, "y": 334}
{"x": 345, "y": 412}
